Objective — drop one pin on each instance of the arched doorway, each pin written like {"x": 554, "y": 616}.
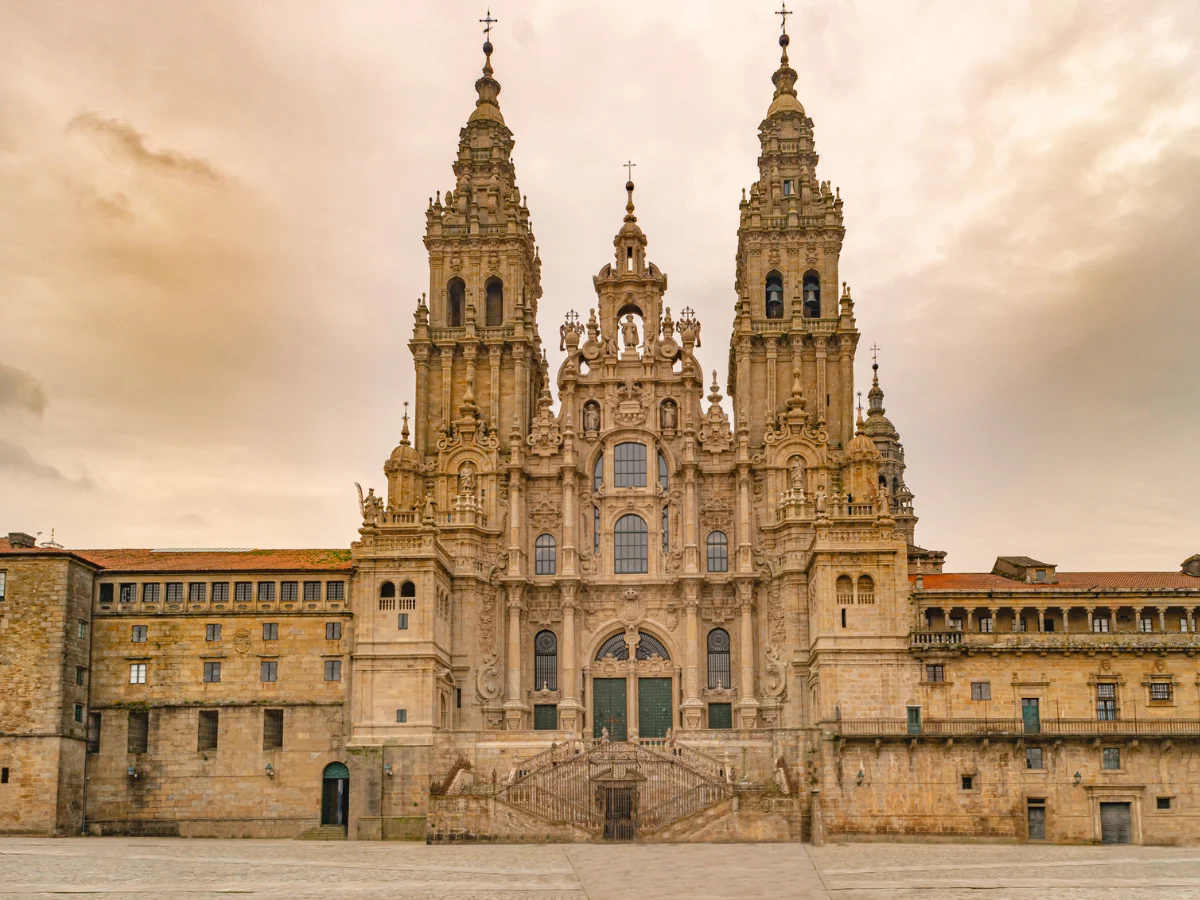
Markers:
{"x": 628, "y": 691}
{"x": 335, "y": 795}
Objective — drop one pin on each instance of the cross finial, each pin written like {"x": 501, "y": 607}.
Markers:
{"x": 783, "y": 13}
{"x": 629, "y": 169}
{"x": 860, "y": 404}
{"x": 488, "y": 23}
{"x": 875, "y": 353}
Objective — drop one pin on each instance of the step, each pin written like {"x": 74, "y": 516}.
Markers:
{"x": 323, "y": 833}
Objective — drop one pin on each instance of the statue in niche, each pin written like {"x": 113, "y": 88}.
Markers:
{"x": 466, "y": 479}
{"x": 629, "y": 332}
{"x": 591, "y": 416}
{"x": 797, "y": 476}
{"x": 668, "y": 415}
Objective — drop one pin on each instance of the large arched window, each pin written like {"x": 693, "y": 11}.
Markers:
{"x": 844, "y": 590}
{"x": 598, "y": 473}
{"x": 455, "y": 293}
{"x": 774, "y": 296}
{"x": 718, "y": 552}
{"x": 387, "y": 596}
{"x": 718, "y": 659}
{"x": 812, "y": 295}
{"x": 495, "y": 301}
{"x": 866, "y": 589}
{"x": 630, "y": 554}
{"x": 545, "y": 557}
{"x": 545, "y": 661}
{"x": 629, "y": 469}
{"x": 648, "y": 646}
{"x": 408, "y": 589}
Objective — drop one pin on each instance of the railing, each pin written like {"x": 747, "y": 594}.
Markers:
{"x": 944, "y": 728}
{"x": 1056, "y": 640}
{"x": 921, "y": 638}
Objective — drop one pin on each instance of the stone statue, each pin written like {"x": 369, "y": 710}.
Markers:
{"x": 562, "y": 336}
{"x": 696, "y": 330}
{"x": 429, "y": 517}
{"x": 604, "y": 735}
{"x": 669, "y": 414}
{"x": 629, "y": 332}
{"x": 821, "y": 501}
{"x": 798, "y": 475}
{"x": 591, "y": 417}
{"x": 466, "y": 479}
{"x": 881, "y": 501}
{"x": 371, "y": 507}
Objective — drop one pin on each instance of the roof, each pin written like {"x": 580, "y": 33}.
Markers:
{"x": 201, "y": 560}
{"x": 1067, "y": 581}
{"x": 1024, "y": 561}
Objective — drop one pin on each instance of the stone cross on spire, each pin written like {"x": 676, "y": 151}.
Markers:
{"x": 488, "y": 23}
{"x": 783, "y": 13}
{"x": 629, "y": 169}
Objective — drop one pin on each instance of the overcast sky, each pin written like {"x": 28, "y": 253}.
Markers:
{"x": 211, "y": 219}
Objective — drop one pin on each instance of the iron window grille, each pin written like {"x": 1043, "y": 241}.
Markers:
{"x": 545, "y": 661}
{"x": 630, "y": 537}
{"x": 242, "y": 592}
{"x": 220, "y": 592}
{"x": 128, "y": 593}
{"x": 266, "y": 592}
{"x": 1106, "y": 702}
{"x": 289, "y": 591}
{"x": 150, "y": 592}
{"x": 629, "y": 465}
{"x": 174, "y": 591}
{"x": 196, "y": 591}
{"x": 207, "y": 729}
{"x": 312, "y": 591}
{"x": 1160, "y": 690}
{"x": 718, "y": 659}
{"x": 335, "y": 590}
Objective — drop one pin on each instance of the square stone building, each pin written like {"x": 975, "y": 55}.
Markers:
{"x": 628, "y": 619}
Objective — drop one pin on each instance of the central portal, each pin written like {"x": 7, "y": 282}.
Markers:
{"x": 608, "y": 708}
{"x": 654, "y": 707}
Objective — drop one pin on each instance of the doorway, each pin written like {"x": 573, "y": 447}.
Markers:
{"x": 654, "y": 707}
{"x": 618, "y": 814}
{"x": 335, "y": 795}
{"x": 1115, "y": 824}
{"x": 608, "y": 708}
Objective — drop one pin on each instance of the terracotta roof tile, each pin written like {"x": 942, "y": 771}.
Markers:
{"x": 1067, "y": 581}
{"x": 218, "y": 560}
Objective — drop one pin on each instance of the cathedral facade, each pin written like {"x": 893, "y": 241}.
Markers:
{"x": 630, "y": 617}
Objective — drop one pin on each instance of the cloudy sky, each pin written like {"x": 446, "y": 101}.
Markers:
{"x": 211, "y": 219}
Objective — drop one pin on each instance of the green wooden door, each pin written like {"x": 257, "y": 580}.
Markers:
{"x": 608, "y": 707}
{"x": 654, "y": 707}
{"x": 1030, "y": 715}
{"x": 914, "y": 720}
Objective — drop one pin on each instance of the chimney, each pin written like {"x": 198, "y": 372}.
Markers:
{"x": 19, "y": 540}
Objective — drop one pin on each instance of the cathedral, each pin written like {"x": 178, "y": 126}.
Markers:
{"x": 627, "y": 618}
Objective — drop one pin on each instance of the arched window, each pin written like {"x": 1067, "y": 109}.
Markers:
{"x": 595, "y": 531}
{"x": 455, "y": 293}
{"x": 545, "y": 661}
{"x": 844, "y": 589}
{"x": 629, "y": 468}
{"x": 442, "y": 716}
{"x": 666, "y": 530}
{"x": 630, "y": 555}
{"x": 883, "y": 481}
{"x": 598, "y": 473}
{"x": 648, "y": 646}
{"x": 812, "y": 295}
{"x": 866, "y": 589}
{"x": 718, "y": 552}
{"x": 408, "y": 589}
{"x": 614, "y": 648}
{"x": 387, "y": 596}
{"x": 774, "y": 296}
{"x": 895, "y": 485}
{"x": 495, "y": 301}
{"x": 663, "y": 480}
{"x": 718, "y": 659}
{"x": 545, "y": 561}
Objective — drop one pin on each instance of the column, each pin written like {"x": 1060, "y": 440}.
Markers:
{"x": 1162, "y": 618}
{"x": 1066, "y": 614}
{"x": 821, "y": 346}
{"x": 745, "y": 561}
{"x": 447, "y": 362}
{"x": 970, "y": 619}
{"x": 747, "y": 703}
{"x": 521, "y": 391}
{"x": 1191, "y": 619}
{"x": 632, "y": 639}
{"x": 1112, "y": 618}
{"x": 693, "y": 706}
{"x": 1091, "y": 613}
{"x": 494, "y": 363}
{"x": 1041, "y": 620}
{"x": 421, "y": 406}
{"x": 514, "y": 706}
{"x": 772, "y": 354}
{"x": 845, "y": 358}
{"x": 570, "y": 523}
{"x": 691, "y": 547}
{"x": 569, "y": 708}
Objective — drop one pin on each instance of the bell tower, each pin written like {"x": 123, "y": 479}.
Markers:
{"x": 790, "y": 321}
{"x": 475, "y": 343}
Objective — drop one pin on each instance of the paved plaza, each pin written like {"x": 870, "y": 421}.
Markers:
{"x": 140, "y": 869}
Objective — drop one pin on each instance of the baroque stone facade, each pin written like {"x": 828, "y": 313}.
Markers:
{"x": 630, "y": 617}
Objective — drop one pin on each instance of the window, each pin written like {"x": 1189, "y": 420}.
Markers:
{"x": 1033, "y": 758}
{"x": 312, "y": 591}
{"x": 197, "y": 591}
{"x": 106, "y": 593}
{"x": 595, "y": 531}
{"x": 629, "y": 469}
{"x": 718, "y": 659}
{"x": 545, "y": 661}
{"x": 212, "y": 632}
{"x": 985, "y": 625}
{"x": 1018, "y": 623}
{"x": 270, "y": 631}
{"x": 545, "y": 717}
{"x": 207, "y": 728}
{"x": 272, "y": 729}
{"x": 812, "y": 295}
{"x": 495, "y": 301}
{"x": 174, "y": 591}
{"x": 212, "y": 672}
{"x": 1145, "y": 624}
{"x": 720, "y": 716}
{"x": 981, "y": 690}
{"x": 93, "y": 732}
{"x": 387, "y": 596}
{"x": 935, "y": 673}
{"x": 787, "y": 187}
{"x": 843, "y": 618}
{"x": 664, "y": 479}
{"x": 242, "y": 592}
{"x": 598, "y": 473}
{"x": 402, "y": 715}
{"x": 545, "y": 562}
{"x": 137, "y": 673}
{"x": 455, "y": 292}
{"x": 402, "y": 621}
{"x": 79, "y": 712}
{"x": 1100, "y": 625}
{"x": 968, "y": 782}
{"x": 333, "y": 670}
{"x": 289, "y": 591}
{"x": 268, "y": 671}
{"x": 408, "y": 589}
{"x": 266, "y": 592}
{"x": 1162, "y": 803}
{"x": 137, "y": 739}
{"x": 866, "y": 590}
{"x": 1111, "y": 759}
{"x": 718, "y": 552}
{"x": 80, "y": 676}
{"x": 1160, "y": 691}
{"x": 333, "y": 631}
{"x": 1106, "y": 702}
{"x": 774, "y": 296}
{"x": 3, "y": 579}
{"x": 629, "y": 544}
{"x": 666, "y": 531}
{"x": 1039, "y": 575}
{"x": 128, "y": 593}
{"x": 1183, "y": 625}
{"x": 220, "y": 592}
{"x": 954, "y": 623}
{"x": 150, "y": 593}
{"x": 335, "y": 590}
{"x": 81, "y": 629}
{"x": 844, "y": 590}
{"x": 139, "y": 634}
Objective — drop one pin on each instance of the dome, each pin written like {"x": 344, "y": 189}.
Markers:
{"x": 861, "y": 446}
{"x": 406, "y": 456}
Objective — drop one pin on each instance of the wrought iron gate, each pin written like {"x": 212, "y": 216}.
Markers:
{"x": 618, "y": 814}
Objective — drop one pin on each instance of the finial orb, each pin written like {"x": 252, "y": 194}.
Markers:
{"x": 487, "y": 47}
{"x": 629, "y": 185}
{"x": 784, "y": 40}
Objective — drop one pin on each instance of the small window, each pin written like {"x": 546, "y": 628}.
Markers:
{"x": 455, "y": 292}
{"x": 138, "y": 738}
{"x": 80, "y": 676}
{"x": 270, "y": 631}
{"x": 629, "y": 465}
{"x": 150, "y": 593}
{"x": 220, "y": 592}
{"x": 1106, "y": 702}
{"x": 843, "y": 618}
{"x": 1111, "y": 759}
{"x": 458, "y": 698}
{"x": 335, "y": 590}
{"x": 719, "y": 675}
{"x": 545, "y": 557}
{"x": 137, "y": 673}
{"x": 1160, "y": 691}
{"x": 935, "y": 673}
{"x": 3, "y": 579}
{"x": 545, "y": 661}
{"x": 866, "y": 590}
{"x": 720, "y": 716}
{"x": 787, "y": 187}
{"x": 1100, "y": 625}
{"x": 985, "y": 625}
{"x": 333, "y": 670}
{"x": 212, "y": 672}
{"x": 402, "y": 621}
{"x": 968, "y": 782}
{"x": 269, "y": 671}
{"x": 333, "y": 631}
{"x": 272, "y": 729}
{"x": 630, "y": 539}
{"x": 174, "y": 591}
{"x": 93, "y": 732}
{"x": 197, "y": 591}
{"x": 266, "y": 592}
{"x": 545, "y": 717}
{"x": 1162, "y": 803}
{"x": 79, "y": 712}
{"x": 408, "y": 589}
{"x": 1033, "y": 758}
{"x": 664, "y": 477}
{"x": 666, "y": 531}
{"x": 312, "y": 591}
{"x": 289, "y": 591}
{"x": 243, "y": 592}
{"x": 106, "y": 593}
{"x": 812, "y": 295}
{"x": 954, "y": 623}
{"x": 718, "y": 552}
{"x": 139, "y": 634}
{"x": 81, "y": 629}
{"x": 981, "y": 690}
{"x": 207, "y": 729}
{"x": 128, "y": 593}
{"x": 4, "y": 775}
{"x": 495, "y": 301}
{"x": 1040, "y": 575}
{"x": 598, "y": 473}
{"x": 1145, "y": 624}
{"x": 402, "y": 715}
{"x": 774, "y": 307}
{"x": 387, "y": 596}
{"x": 212, "y": 632}
{"x": 1183, "y": 625}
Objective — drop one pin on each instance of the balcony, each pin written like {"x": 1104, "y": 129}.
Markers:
{"x": 1054, "y": 641}
{"x": 1013, "y": 728}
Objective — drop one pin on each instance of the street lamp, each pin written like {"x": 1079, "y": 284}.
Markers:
{"x": 387, "y": 769}
{"x": 1078, "y": 778}
{"x": 859, "y": 777}
{"x": 270, "y": 771}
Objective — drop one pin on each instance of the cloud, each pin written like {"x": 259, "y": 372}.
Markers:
{"x": 129, "y": 141}
{"x": 20, "y": 461}
{"x": 20, "y": 390}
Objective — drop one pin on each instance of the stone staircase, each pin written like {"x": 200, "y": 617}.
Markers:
{"x": 323, "y": 833}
